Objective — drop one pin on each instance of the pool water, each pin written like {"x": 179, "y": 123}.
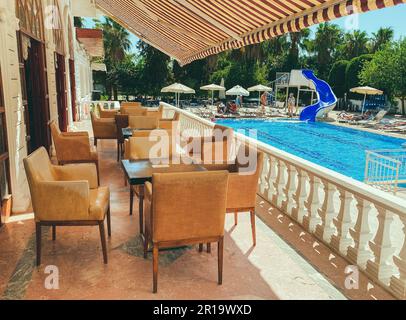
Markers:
{"x": 338, "y": 148}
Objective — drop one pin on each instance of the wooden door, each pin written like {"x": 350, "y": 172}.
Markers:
{"x": 34, "y": 84}
{"x": 73, "y": 88}
{"x": 61, "y": 92}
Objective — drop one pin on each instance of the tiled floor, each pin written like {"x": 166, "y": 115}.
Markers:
{"x": 287, "y": 263}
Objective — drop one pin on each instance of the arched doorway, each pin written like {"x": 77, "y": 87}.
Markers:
{"x": 60, "y": 68}
{"x": 33, "y": 73}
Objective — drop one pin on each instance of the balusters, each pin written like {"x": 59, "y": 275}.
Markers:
{"x": 272, "y": 180}
{"x": 341, "y": 241}
{"x": 398, "y": 284}
{"x": 359, "y": 254}
{"x": 280, "y": 185}
{"x": 326, "y": 229}
{"x": 300, "y": 197}
{"x": 290, "y": 189}
{"x": 381, "y": 246}
{"x": 265, "y": 175}
{"x": 312, "y": 205}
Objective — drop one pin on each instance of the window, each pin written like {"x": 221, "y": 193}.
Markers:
{"x": 29, "y": 12}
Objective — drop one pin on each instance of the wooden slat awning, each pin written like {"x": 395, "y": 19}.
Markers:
{"x": 189, "y": 30}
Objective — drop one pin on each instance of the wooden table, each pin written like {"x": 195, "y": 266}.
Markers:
{"x": 138, "y": 172}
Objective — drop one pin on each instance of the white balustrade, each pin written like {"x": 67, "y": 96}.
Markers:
{"x": 350, "y": 217}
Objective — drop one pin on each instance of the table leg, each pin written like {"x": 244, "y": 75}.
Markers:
{"x": 141, "y": 209}
{"x": 131, "y": 200}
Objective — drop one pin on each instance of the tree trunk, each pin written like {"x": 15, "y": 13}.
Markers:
{"x": 403, "y": 106}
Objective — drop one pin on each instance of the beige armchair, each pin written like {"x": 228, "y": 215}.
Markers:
{"x": 170, "y": 220}
{"x": 105, "y": 114}
{"x": 66, "y": 196}
{"x": 242, "y": 183}
{"x": 73, "y": 147}
{"x": 103, "y": 128}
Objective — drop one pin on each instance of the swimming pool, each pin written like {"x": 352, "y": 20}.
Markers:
{"x": 338, "y": 148}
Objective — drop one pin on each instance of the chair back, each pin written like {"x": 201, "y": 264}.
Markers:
{"x": 148, "y": 133}
{"x": 130, "y": 104}
{"x": 68, "y": 146}
{"x": 143, "y": 123}
{"x": 218, "y": 148}
{"x": 121, "y": 123}
{"x": 188, "y": 205}
{"x": 38, "y": 168}
{"x": 145, "y": 147}
{"x": 131, "y": 108}
{"x": 135, "y": 111}
{"x": 248, "y": 168}
{"x": 55, "y": 133}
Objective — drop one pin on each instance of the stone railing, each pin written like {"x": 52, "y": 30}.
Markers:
{"x": 364, "y": 225}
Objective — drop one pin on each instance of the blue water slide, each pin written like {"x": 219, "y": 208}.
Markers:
{"x": 326, "y": 99}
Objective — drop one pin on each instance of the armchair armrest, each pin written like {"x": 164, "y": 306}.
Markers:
{"x": 61, "y": 201}
{"x": 75, "y": 172}
{"x": 148, "y": 191}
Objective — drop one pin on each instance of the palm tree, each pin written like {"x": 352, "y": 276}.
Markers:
{"x": 116, "y": 39}
{"x": 297, "y": 43}
{"x": 355, "y": 44}
{"x": 116, "y": 44}
{"x": 381, "y": 38}
{"x": 328, "y": 38}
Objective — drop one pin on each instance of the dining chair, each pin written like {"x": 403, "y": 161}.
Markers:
{"x": 103, "y": 128}
{"x": 73, "y": 147}
{"x": 105, "y": 114}
{"x": 185, "y": 209}
{"x": 66, "y": 196}
{"x": 242, "y": 183}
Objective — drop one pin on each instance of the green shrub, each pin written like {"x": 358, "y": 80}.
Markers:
{"x": 354, "y": 68}
{"x": 337, "y": 78}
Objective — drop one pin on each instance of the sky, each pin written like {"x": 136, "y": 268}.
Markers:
{"x": 370, "y": 22}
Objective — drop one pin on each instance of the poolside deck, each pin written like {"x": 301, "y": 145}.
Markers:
{"x": 287, "y": 263}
